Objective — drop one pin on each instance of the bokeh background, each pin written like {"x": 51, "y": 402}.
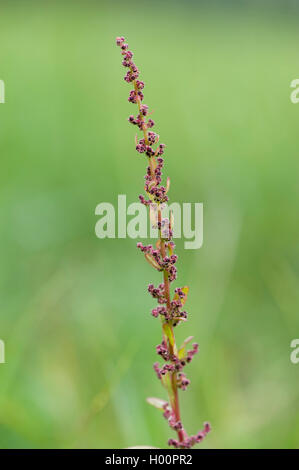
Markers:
{"x": 75, "y": 315}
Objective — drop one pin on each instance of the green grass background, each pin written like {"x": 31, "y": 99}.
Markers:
{"x": 75, "y": 315}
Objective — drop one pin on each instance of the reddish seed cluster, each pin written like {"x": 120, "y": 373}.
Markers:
{"x": 157, "y": 293}
{"x": 156, "y": 192}
{"x": 177, "y": 364}
{"x": 148, "y": 145}
{"x": 176, "y": 314}
{"x": 191, "y": 440}
{"x": 173, "y": 423}
{"x": 162, "y": 350}
{"x": 162, "y": 264}
{"x": 182, "y": 381}
{"x": 162, "y": 258}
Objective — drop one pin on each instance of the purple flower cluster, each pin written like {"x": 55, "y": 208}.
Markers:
{"x": 162, "y": 350}
{"x": 153, "y": 179}
{"x": 148, "y": 145}
{"x": 172, "y": 421}
{"x": 170, "y": 309}
{"x": 190, "y": 441}
{"x": 176, "y": 425}
{"x": 165, "y": 263}
{"x": 174, "y": 311}
{"x": 177, "y": 364}
{"x": 182, "y": 381}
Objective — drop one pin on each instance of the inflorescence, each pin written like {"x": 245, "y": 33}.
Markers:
{"x": 162, "y": 258}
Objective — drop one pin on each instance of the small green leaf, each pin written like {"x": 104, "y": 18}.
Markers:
{"x": 167, "y": 184}
{"x": 171, "y": 220}
{"x": 187, "y": 340}
{"x": 181, "y": 353}
{"x": 169, "y": 334}
{"x": 156, "y": 402}
{"x": 152, "y": 261}
{"x": 177, "y": 319}
{"x": 182, "y": 349}
{"x": 183, "y": 300}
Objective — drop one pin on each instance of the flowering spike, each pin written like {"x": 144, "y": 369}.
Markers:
{"x": 163, "y": 259}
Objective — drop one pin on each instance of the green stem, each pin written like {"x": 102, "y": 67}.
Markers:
{"x": 172, "y": 348}
{"x": 173, "y": 392}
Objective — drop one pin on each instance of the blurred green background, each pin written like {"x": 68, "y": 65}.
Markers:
{"x": 75, "y": 315}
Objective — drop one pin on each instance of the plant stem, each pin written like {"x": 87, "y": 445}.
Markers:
{"x": 172, "y": 350}
{"x": 175, "y": 402}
